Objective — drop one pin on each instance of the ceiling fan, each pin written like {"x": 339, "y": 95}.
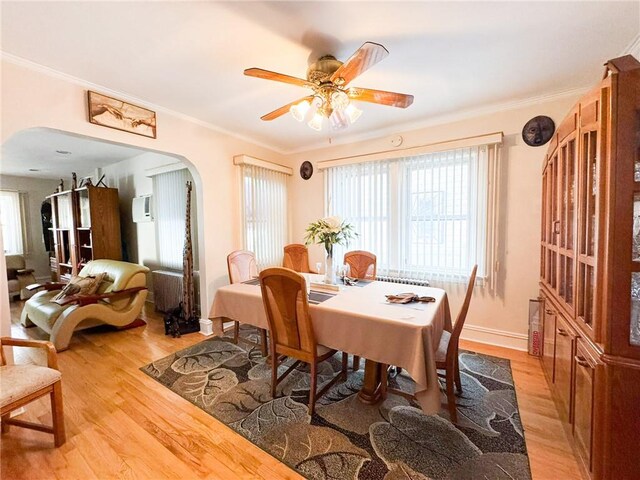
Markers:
{"x": 331, "y": 96}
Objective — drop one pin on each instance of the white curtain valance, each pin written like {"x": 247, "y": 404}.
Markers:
{"x": 256, "y": 162}
{"x": 470, "y": 142}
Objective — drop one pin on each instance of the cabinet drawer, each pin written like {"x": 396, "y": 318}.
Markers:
{"x": 585, "y": 364}
{"x": 564, "y": 360}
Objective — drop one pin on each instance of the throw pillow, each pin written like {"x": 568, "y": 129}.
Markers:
{"x": 79, "y": 286}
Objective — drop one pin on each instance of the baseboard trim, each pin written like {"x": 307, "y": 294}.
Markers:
{"x": 492, "y": 336}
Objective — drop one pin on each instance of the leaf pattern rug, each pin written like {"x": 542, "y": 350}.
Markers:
{"x": 346, "y": 439}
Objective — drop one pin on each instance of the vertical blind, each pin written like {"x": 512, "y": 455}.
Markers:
{"x": 264, "y": 212}
{"x": 170, "y": 197}
{"x": 11, "y": 222}
{"x": 426, "y": 217}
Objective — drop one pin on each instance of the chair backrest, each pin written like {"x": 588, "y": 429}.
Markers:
{"x": 284, "y": 294}
{"x": 241, "y": 266}
{"x": 118, "y": 276}
{"x": 462, "y": 315}
{"x": 296, "y": 257}
{"x": 362, "y": 264}
{"x": 15, "y": 261}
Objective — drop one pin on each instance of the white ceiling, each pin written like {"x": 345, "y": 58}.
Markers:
{"x": 36, "y": 148}
{"x": 452, "y": 56}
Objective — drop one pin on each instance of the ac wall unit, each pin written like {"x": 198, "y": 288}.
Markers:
{"x": 141, "y": 209}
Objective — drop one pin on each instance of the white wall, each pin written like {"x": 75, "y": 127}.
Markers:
{"x": 36, "y": 189}
{"x": 131, "y": 178}
{"x": 500, "y": 318}
{"x": 35, "y": 97}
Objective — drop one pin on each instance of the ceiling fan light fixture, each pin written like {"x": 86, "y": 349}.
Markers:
{"x": 316, "y": 121}
{"x": 353, "y": 113}
{"x": 300, "y": 110}
{"x": 339, "y": 100}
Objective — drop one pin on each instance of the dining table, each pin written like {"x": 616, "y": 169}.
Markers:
{"x": 359, "y": 320}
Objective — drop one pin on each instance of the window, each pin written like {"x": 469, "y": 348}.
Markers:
{"x": 170, "y": 199}
{"x": 11, "y": 221}
{"x": 264, "y": 212}
{"x": 424, "y": 216}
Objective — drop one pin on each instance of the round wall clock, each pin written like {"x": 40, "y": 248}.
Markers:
{"x": 538, "y": 131}
{"x": 306, "y": 170}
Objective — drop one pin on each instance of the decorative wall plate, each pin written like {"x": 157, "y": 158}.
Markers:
{"x": 538, "y": 131}
{"x": 306, "y": 170}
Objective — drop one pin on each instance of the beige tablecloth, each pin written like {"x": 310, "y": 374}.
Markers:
{"x": 359, "y": 321}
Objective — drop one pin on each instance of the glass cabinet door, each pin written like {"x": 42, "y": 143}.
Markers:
{"x": 567, "y": 217}
{"x": 587, "y": 239}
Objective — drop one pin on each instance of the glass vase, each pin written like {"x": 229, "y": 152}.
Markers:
{"x": 329, "y": 272}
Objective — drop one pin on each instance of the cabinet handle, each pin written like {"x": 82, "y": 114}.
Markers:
{"x": 580, "y": 360}
{"x": 556, "y": 227}
{"x": 548, "y": 311}
{"x": 562, "y": 332}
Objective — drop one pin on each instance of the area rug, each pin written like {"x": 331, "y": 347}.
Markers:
{"x": 346, "y": 439}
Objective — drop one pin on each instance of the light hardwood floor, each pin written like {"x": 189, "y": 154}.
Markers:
{"x": 122, "y": 424}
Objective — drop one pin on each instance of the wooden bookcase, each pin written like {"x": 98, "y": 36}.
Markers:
{"x": 86, "y": 226}
{"x": 590, "y": 273}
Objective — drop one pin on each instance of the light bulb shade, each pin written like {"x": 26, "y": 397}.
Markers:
{"x": 339, "y": 100}
{"x": 300, "y": 110}
{"x": 338, "y": 120}
{"x": 316, "y": 121}
{"x": 352, "y": 112}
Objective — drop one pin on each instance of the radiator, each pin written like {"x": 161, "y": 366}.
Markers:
{"x": 167, "y": 289}
{"x": 405, "y": 281}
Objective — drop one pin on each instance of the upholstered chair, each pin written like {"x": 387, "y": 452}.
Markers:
{"x": 118, "y": 302}
{"x": 19, "y": 276}
{"x": 284, "y": 294}
{"x": 296, "y": 258}
{"x": 21, "y": 384}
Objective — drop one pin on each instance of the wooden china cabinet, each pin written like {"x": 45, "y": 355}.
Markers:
{"x": 590, "y": 273}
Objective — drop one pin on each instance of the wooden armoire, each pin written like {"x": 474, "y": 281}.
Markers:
{"x": 85, "y": 226}
{"x": 590, "y": 273}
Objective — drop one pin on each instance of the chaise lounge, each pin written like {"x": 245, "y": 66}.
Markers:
{"x": 118, "y": 301}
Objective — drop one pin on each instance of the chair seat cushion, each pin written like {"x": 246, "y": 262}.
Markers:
{"x": 19, "y": 381}
{"x": 322, "y": 350}
{"x": 441, "y": 354}
{"x": 42, "y": 311}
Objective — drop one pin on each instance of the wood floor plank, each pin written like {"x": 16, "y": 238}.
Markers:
{"x": 122, "y": 424}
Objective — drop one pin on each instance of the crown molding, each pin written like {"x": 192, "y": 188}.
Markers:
{"x": 448, "y": 118}
{"x": 633, "y": 48}
{"x": 378, "y": 133}
{"x": 23, "y": 62}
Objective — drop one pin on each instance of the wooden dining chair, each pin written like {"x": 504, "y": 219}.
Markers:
{"x": 22, "y": 384}
{"x": 362, "y": 264}
{"x": 447, "y": 354}
{"x": 296, "y": 257}
{"x": 284, "y": 294}
{"x": 242, "y": 266}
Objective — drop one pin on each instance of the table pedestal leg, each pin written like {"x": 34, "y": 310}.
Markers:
{"x": 370, "y": 392}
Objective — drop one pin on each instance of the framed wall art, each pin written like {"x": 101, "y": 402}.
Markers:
{"x": 113, "y": 113}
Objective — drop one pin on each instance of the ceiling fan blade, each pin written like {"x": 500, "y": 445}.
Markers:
{"x": 363, "y": 59}
{"x": 278, "y": 77}
{"x": 392, "y": 99}
{"x": 284, "y": 109}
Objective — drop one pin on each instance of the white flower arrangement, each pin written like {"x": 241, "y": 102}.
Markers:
{"x": 329, "y": 231}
